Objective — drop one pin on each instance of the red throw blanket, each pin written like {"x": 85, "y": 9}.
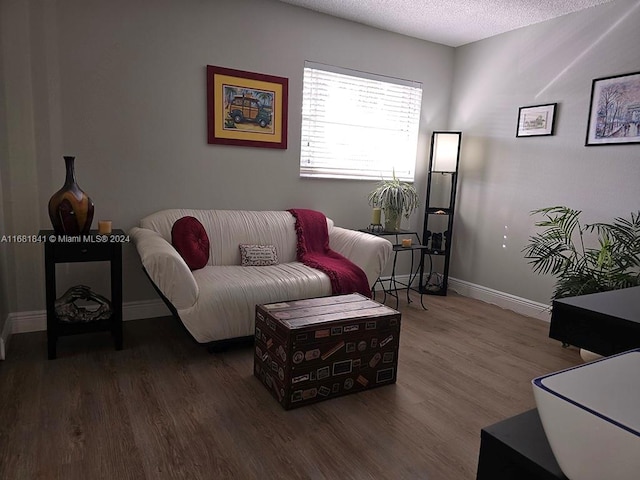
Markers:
{"x": 314, "y": 252}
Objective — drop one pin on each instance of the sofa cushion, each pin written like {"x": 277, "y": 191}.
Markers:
{"x": 190, "y": 239}
{"x": 257, "y": 255}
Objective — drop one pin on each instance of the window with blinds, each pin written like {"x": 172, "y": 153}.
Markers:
{"x": 358, "y": 125}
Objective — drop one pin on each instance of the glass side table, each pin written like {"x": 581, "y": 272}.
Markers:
{"x": 394, "y": 285}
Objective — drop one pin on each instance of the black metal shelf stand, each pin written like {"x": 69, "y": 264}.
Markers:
{"x": 433, "y": 212}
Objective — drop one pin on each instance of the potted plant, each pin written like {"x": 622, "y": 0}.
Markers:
{"x": 395, "y": 198}
{"x": 610, "y": 261}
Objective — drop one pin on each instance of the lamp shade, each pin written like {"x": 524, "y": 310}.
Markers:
{"x": 445, "y": 151}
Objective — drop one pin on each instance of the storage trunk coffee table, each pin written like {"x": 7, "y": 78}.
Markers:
{"x": 320, "y": 348}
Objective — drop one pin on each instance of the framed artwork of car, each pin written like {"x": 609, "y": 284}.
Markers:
{"x": 246, "y": 109}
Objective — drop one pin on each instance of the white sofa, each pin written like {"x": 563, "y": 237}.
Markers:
{"x": 218, "y": 302}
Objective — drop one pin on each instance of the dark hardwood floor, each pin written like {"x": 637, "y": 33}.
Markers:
{"x": 164, "y": 408}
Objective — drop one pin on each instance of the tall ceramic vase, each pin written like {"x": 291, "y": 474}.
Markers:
{"x": 70, "y": 209}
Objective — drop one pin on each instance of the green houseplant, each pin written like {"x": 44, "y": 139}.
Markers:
{"x": 395, "y": 198}
{"x": 585, "y": 258}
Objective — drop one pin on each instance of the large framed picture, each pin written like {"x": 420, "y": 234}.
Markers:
{"x": 245, "y": 108}
{"x": 614, "y": 112}
{"x": 536, "y": 120}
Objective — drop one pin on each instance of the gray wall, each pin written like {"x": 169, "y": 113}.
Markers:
{"x": 502, "y": 177}
{"x": 121, "y": 85}
{"x": 12, "y": 120}
{"x": 4, "y": 302}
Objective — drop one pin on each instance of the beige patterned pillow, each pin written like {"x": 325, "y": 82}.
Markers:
{"x": 258, "y": 255}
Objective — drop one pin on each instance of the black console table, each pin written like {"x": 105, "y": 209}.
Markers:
{"x": 393, "y": 288}
{"x": 91, "y": 247}
{"x": 605, "y": 323}
{"x": 517, "y": 449}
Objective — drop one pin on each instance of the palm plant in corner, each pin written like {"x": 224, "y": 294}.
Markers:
{"x": 585, "y": 258}
{"x": 395, "y": 198}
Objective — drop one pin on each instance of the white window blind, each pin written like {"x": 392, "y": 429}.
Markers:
{"x": 358, "y": 125}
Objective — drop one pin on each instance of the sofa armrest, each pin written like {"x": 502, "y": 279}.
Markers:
{"x": 166, "y": 268}
{"x": 371, "y": 253}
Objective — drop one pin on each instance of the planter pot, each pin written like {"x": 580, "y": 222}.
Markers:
{"x": 589, "y": 356}
{"x": 392, "y": 220}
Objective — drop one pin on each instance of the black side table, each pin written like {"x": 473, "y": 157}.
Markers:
{"x": 91, "y": 247}
{"x": 393, "y": 288}
{"x": 605, "y": 323}
{"x": 517, "y": 449}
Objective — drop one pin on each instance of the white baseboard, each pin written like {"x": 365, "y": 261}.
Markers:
{"x": 507, "y": 301}
{"x": 24, "y": 322}
{"x": 4, "y": 338}
{"x": 144, "y": 309}
{"x": 36, "y": 321}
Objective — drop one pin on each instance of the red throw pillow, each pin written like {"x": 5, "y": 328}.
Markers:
{"x": 190, "y": 239}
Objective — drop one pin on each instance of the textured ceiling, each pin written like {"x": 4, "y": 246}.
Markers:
{"x": 450, "y": 22}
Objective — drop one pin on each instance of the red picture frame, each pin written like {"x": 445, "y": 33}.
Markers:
{"x": 246, "y": 109}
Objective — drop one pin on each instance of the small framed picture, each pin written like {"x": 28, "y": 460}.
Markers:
{"x": 614, "y": 114}
{"x": 536, "y": 120}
